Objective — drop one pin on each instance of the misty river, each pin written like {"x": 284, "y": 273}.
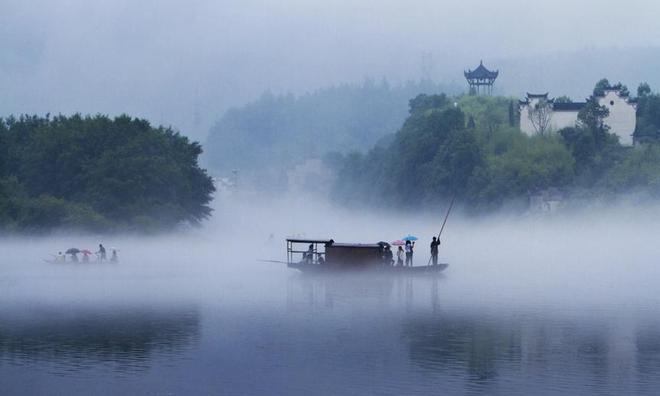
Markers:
{"x": 528, "y": 306}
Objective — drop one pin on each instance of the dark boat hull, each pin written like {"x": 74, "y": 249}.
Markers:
{"x": 325, "y": 268}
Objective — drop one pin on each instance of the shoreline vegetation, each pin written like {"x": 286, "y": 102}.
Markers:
{"x": 98, "y": 174}
{"x": 472, "y": 147}
{"x": 101, "y": 175}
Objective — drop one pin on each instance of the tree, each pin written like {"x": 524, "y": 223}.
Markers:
{"x": 622, "y": 88}
{"x": 540, "y": 115}
{"x": 601, "y": 86}
{"x": 563, "y": 99}
{"x": 512, "y": 114}
{"x": 100, "y": 173}
{"x": 592, "y": 116}
{"x": 471, "y": 124}
{"x": 643, "y": 90}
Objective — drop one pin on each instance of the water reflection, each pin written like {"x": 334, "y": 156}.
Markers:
{"x": 81, "y": 337}
{"x": 487, "y": 349}
{"x": 328, "y": 290}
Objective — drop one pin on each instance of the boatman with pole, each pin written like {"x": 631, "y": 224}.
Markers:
{"x": 436, "y": 241}
{"x": 434, "y": 250}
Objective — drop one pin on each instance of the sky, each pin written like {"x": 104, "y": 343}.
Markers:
{"x": 183, "y": 63}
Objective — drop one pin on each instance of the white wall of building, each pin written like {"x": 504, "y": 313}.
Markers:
{"x": 621, "y": 120}
{"x": 558, "y": 119}
{"x": 562, "y": 119}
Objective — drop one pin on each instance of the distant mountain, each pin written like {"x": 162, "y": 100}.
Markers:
{"x": 286, "y": 130}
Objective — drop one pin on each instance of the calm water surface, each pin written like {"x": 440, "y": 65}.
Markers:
{"x": 182, "y": 328}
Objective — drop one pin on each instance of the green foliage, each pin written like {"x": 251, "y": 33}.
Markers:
{"x": 601, "y": 86}
{"x": 644, "y": 89}
{"x": 464, "y": 146}
{"x": 513, "y": 115}
{"x": 435, "y": 156}
{"x": 648, "y": 115}
{"x": 283, "y": 131}
{"x": 639, "y": 170}
{"x": 604, "y": 84}
{"x": 526, "y": 165}
{"x": 98, "y": 173}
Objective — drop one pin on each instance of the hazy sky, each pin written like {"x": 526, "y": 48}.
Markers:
{"x": 168, "y": 60}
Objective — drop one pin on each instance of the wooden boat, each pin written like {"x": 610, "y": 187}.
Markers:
{"x": 325, "y": 255}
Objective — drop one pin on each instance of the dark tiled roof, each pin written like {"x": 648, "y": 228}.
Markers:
{"x": 481, "y": 73}
{"x": 531, "y": 95}
{"x": 568, "y": 106}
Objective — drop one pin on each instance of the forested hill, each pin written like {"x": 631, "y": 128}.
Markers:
{"x": 98, "y": 174}
{"x": 285, "y": 130}
{"x": 467, "y": 147}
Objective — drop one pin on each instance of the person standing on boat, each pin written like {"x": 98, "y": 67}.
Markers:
{"x": 399, "y": 257}
{"x": 409, "y": 253}
{"x": 388, "y": 256}
{"x": 309, "y": 256}
{"x": 434, "y": 250}
{"x": 101, "y": 252}
{"x": 412, "y": 251}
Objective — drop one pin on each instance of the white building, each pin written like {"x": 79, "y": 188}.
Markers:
{"x": 621, "y": 119}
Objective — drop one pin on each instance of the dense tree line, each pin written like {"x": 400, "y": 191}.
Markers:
{"x": 470, "y": 147}
{"x": 285, "y": 130}
{"x": 97, "y": 173}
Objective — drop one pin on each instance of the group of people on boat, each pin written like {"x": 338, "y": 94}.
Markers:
{"x": 101, "y": 255}
{"x": 407, "y": 251}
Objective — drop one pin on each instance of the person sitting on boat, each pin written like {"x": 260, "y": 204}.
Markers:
{"x": 74, "y": 257}
{"x": 114, "y": 257}
{"x": 309, "y": 255}
{"x": 434, "y": 250}
{"x": 85, "y": 258}
{"x": 60, "y": 258}
{"x": 399, "y": 256}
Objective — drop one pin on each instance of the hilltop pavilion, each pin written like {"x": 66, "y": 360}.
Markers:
{"x": 481, "y": 79}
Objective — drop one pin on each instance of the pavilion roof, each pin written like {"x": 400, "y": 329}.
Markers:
{"x": 481, "y": 72}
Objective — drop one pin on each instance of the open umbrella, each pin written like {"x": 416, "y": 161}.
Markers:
{"x": 85, "y": 251}
{"x": 73, "y": 251}
{"x": 409, "y": 238}
{"x": 398, "y": 242}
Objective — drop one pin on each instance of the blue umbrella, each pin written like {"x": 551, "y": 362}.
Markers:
{"x": 409, "y": 238}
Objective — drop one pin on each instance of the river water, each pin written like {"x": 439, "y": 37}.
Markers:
{"x": 170, "y": 320}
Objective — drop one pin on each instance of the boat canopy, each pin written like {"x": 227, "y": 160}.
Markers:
{"x": 296, "y": 240}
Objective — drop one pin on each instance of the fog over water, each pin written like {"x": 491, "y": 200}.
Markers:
{"x": 550, "y": 304}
